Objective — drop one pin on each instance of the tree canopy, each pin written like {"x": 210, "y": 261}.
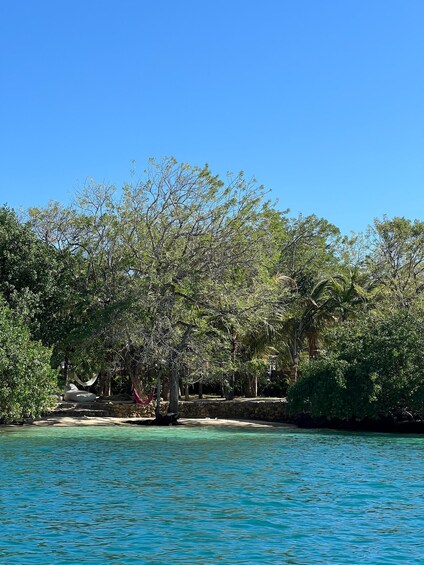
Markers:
{"x": 192, "y": 277}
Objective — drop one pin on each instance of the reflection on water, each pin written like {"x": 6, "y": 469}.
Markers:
{"x": 207, "y": 495}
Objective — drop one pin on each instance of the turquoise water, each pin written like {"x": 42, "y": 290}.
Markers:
{"x": 206, "y": 496}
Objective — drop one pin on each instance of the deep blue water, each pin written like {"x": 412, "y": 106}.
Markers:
{"x": 209, "y": 495}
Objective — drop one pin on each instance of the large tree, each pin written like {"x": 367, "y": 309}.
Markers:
{"x": 193, "y": 243}
{"x": 396, "y": 262}
{"x": 158, "y": 259}
{"x": 89, "y": 235}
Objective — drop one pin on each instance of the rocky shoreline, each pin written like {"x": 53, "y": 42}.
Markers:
{"x": 390, "y": 424}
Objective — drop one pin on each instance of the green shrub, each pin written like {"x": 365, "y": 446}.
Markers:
{"x": 376, "y": 366}
{"x": 27, "y": 382}
{"x": 321, "y": 390}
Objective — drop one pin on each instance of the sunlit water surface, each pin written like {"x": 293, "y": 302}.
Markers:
{"x": 209, "y": 496}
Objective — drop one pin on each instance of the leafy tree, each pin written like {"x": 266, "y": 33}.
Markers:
{"x": 89, "y": 236}
{"x": 32, "y": 277}
{"x": 27, "y": 383}
{"x": 396, "y": 262}
{"x": 156, "y": 262}
{"x": 193, "y": 242}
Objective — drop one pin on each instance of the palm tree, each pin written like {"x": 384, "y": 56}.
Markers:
{"x": 329, "y": 300}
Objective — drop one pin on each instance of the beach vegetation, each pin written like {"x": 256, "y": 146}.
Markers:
{"x": 182, "y": 279}
{"x": 27, "y": 381}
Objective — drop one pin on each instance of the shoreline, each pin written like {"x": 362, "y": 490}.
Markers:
{"x": 84, "y": 421}
{"x": 52, "y": 420}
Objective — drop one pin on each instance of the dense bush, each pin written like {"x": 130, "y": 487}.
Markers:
{"x": 376, "y": 367}
{"x": 27, "y": 382}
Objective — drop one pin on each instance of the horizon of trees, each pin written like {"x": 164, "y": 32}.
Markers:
{"x": 195, "y": 279}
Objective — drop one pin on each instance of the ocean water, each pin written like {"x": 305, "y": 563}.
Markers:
{"x": 207, "y": 495}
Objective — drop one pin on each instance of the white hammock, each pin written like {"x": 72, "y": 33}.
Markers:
{"x": 88, "y": 383}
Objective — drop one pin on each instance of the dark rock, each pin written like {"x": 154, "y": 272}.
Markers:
{"x": 383, "y": 424}
{"x": 160, "y": 420}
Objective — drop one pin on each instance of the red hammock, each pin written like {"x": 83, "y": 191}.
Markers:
{"x": 142, "y": 401}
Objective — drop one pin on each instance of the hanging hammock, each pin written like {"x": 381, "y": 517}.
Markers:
{"x": 87, "y": 383}
{"x": 142, "y": 401}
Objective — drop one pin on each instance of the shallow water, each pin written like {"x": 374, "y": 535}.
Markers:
{"x": 209, "y": 495}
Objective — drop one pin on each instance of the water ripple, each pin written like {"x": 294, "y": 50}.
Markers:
{"x": 206, "y": 495}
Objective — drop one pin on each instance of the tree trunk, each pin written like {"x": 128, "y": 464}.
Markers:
{"x": 232, "y": 388}
{"x": 174, "y": 389}
{"x": 252, "y": 387}
{"x": 174, "y": 378}
{"x": 296, "y": 349}
{"x": 136, "y": 384}
{"x": 165, "y": 389}
{"x": 200, "y": 389}
{"x": 294, "y": 371}
{"x": 186, "y": 392}
{"x": 106, "y": 384}
{"x": 295, "y": 358}
{"x": 66, "y": 370}
{"x": 313, "y": 345}
{"x": 233, "y": 359}
{"x": 158, "y": 395}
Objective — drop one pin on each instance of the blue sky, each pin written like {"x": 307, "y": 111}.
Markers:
{"x": 321, "y": 101}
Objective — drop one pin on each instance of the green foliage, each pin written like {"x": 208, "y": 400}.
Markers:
{"x": 315, "y": 284}
{"x": 159, "y": 267}
{"x": 203, "y": 278}
{"x": 27, "y": 383}
{"x": 321, "y": 390}
{"x": 32, "y": 277}
{"x": 375, "y": 368}
{"x": 396, "y": 262}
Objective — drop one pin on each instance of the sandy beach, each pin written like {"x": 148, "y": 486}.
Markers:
{"x": 72, "y": 421}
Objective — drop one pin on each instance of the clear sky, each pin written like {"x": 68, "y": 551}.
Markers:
{"x": 321, "y": 100}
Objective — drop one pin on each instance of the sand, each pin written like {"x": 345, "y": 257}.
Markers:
{"x": 67, "y": 421}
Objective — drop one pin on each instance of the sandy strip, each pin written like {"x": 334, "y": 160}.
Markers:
{"x": 66, "y": 421}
